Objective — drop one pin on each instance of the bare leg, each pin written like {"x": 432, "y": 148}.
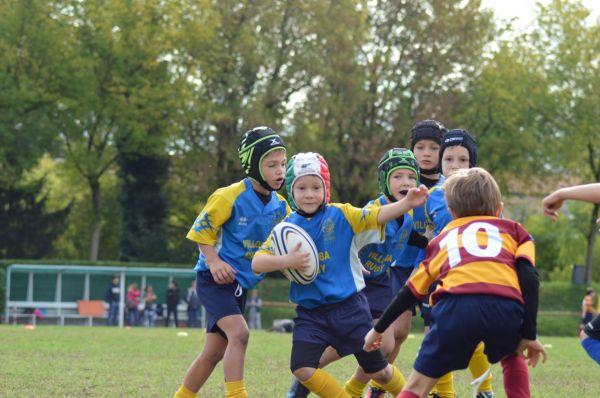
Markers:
{"x": 419, "y": 384}
{"x": 401, "y": 328}
{"x": 387, "y": 345}
{"x": 204, "y": 364}
{"x": 328, "y": 356}
{"x": 237, "y": 333}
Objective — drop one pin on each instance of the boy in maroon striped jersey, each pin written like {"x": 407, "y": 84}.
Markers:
{"x": 485, "y": 265}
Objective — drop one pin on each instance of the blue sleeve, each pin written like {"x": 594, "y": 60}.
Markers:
{"x": 420, "y": 257}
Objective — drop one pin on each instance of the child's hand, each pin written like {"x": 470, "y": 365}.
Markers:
{"x": 532, "y": 350}
{"x": 222, "y": 272}
{"x": 372, "y": 341}
{"x": 551, "y": 204}
{"x": 365, "y": 271}
{"x": 297, "y": 259}
{"x": 417, "y": 196}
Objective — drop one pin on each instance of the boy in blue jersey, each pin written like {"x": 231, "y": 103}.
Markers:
{"x": 458, "y": 150}
{"x": 590, "y": 335}
{"x": 397, "y": 172}
{"x": 230, "y": 228}
{"x": 425, "y": 138}
{"x": 332, "y": 310}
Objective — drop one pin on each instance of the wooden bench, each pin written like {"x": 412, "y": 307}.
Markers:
{"x": 88, "y": 309}
{"x": 82, "y": 309}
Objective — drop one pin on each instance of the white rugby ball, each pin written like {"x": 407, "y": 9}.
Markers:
{"x": 285, "y": 236}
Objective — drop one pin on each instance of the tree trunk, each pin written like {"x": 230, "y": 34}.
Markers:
{"x": 95, "y": 242}
{"x": 589, "y": 264}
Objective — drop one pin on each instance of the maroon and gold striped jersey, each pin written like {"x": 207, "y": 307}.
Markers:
{"x": 474, "y": 255}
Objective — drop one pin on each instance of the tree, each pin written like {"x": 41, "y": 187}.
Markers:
{"x": 387, "y": 66}
{"x": 570, "y": 44}
{"x": 31, "y": 80}
{"x": 28, "y": 229}
{"x": 509, "y": 109}
{"x": 124, "y": 111}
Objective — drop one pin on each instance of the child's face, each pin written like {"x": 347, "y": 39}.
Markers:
{"x": 309, "y": 193}
{"x": 454, "y": 158}
{"x": 400, "y": 181}
{"x": 273, "y": 168}
{"x": 427, "y": 154}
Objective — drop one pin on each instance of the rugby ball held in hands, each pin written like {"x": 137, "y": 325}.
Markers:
{"x": 285, "y": 236}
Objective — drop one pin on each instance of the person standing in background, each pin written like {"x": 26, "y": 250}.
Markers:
{"x": 149, "y": 306}
{"x": 113, "y": 297}
{"x": 133, "y": 302}
{"x": 254, "y": 304}
{"x": 587, "y": 306}
{"x": 172, "y": 303}
{"x": 193, "y": 303}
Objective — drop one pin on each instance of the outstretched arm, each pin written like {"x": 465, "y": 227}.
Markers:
{"x": 585, "y": 193}
{"x": 414, "y": 198}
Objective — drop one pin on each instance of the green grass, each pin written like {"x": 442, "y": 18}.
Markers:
{"x": 73, "y": 361}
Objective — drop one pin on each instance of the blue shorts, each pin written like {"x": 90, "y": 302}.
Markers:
{"x": 461, "y": 323}
{"x": 399, "y": 276}
{"x": 343, "y": 325}
{"x": 219, "y": 300}
{"x": 378, "y": 291}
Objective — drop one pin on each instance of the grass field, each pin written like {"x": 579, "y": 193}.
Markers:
{"x": 73, "y": 361}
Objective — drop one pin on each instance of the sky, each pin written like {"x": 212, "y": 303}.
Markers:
{"x": 524, "y": 9}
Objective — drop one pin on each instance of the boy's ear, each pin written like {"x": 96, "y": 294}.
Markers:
{"x": 500, "y": 208}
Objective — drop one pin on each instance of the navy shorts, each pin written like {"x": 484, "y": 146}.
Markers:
{"x": 343, "y": 325}
{"x": 399, "y": 276}
{"x": 461, "y": 323}
{"x": 378, "y": 291}
{"x": 219, "y": 301}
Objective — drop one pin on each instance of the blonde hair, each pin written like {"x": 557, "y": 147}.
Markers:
{"x": 473, "y": 192}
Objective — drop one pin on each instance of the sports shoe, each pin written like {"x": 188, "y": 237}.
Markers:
{"x": 297, "y": 390}
{"x": 485, "y": 394}
{"x": 373, "y": 392}
{"x": 436, "y": 395}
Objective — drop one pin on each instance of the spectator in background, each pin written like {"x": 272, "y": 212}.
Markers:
{"x": 149, "y": 307}
{"x": 113, "y": 296}
{"x": 254, "y": 304}
{"x": 172, "y": 302}
{"x": 193, "y": 303}
{"x": 587, "y": 306}
{"x": 133, "y": 301}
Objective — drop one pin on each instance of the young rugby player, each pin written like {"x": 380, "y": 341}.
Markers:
{"x": 230, "y": 228}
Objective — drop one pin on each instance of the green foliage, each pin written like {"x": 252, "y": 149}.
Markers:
{"x": 180, "y": 81}
{"x": 144, "y": 209}
{"x": 32, "y": 79}
{"x": 558, "y": 245}
{"x": 28, "y": 228}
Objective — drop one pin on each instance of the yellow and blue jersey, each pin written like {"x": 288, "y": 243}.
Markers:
{"x": 413, "y": 255}
{"x": 339, "y": 231}
{"x": 378, "y": 257}
{"x": 236, "y": 222}
{"x": 436, "y": 210}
